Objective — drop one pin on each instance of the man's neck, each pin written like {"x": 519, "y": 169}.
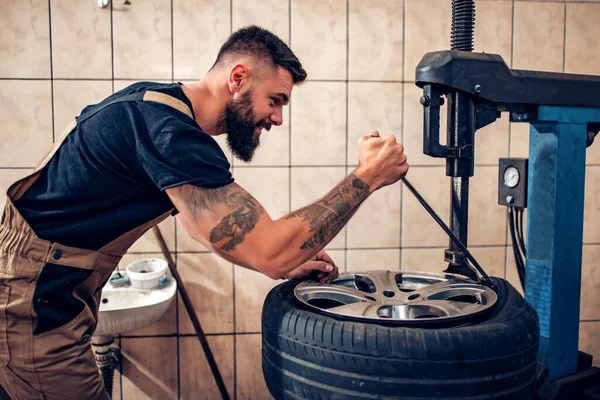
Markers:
{"x": 206, "y": 103}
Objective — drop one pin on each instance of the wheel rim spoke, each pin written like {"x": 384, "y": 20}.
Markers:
{"x": 398, "y": 297}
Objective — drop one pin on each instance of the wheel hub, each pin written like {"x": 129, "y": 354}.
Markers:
{"x": 401, "y": 297}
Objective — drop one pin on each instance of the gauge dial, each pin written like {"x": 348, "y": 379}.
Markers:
{"x": 511, "y": 177}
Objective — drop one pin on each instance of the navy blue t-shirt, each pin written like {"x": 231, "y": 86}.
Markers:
{"x": 110, "y": 174}
{"x": 109, "y": 177}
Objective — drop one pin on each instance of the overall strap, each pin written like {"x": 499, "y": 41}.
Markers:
{"x": 59, "y": 141}
{"x": 20, "y": 187}
{"x": 19, "y": 236}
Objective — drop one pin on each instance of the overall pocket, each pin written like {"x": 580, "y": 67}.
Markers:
{"x": 57, "y": 344}
{"x": 55, "y": 303}
{"x": 4, "y": 351}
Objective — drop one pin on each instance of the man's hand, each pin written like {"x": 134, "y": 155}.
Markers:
{"x": 381, "y": 160}
{"x": 321, "y": 262}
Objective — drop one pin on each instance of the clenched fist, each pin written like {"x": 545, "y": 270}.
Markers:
{"x": 381, "y": 160}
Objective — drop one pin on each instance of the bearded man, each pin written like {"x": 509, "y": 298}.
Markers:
{"x": 125, "y": 164}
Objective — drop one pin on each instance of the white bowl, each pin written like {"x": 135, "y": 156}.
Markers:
{"x": 147, "y": 274}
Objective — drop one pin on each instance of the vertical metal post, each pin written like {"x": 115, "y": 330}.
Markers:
{"x": 461, "y": 137}
{"x": 555, "y": 230}
{"x": 460, "y": 166}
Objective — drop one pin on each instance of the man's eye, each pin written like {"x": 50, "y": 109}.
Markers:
{"x": 275, "y": 100}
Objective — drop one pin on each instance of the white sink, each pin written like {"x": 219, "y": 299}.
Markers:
{"x": 124, "y": 309}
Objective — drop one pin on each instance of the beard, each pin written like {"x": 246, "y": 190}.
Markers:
{"x": 237, "y": 120}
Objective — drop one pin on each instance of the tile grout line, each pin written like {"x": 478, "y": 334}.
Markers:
{"x": 234, "y": 333}
{"x": 290, "y": 117}
{"x": 347, "y": 109}
{"x": 112, "y": 49}
{"x": 233, "y": 266}
{"x": 184, "y": 79}
{"x": 483, "y": 246}
{"x": 120, "y": 367}
{"x": 172, "y": 44}
{"x": 25, "y": 79}
{"x": 512, "y": 56}
{"x": 175, "y": 256}
{"x": 112, "y": 83}
{"x": 594, "y": 165}
{"x": 51, "y": 66}
{"x": 565, "y": 38}
{"x": 554, "y": 1}
{"x": 354, "y": 165}
{"x": 402, "y": 121}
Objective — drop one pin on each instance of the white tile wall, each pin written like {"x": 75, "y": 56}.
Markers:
{"x": 58, "y": 56}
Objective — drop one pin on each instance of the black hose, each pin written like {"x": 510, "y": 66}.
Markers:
{"x": 520, "y": 231}
{"x": 515, "y": 245}
{"x": 463, "y": 24}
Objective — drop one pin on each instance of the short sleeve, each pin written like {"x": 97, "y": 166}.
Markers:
{"x": 175, "y": 153}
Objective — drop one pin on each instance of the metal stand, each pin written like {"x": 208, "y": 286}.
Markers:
{"x": 564, "y": 112}
{"x": 192, "y": 314}
{"x": 555, "y": 230}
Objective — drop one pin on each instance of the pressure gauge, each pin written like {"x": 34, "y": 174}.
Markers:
{"x": 511, "y": 177}
{"x": 512, "y": 182}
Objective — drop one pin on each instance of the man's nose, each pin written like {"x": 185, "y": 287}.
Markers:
{"x": 276, "y": 118}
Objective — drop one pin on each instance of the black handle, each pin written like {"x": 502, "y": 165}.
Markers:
{"x": 431, "y": 102}
{"x": 485, "y": 279}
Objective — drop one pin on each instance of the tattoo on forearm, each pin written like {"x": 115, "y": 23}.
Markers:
{"x": 235, "y": 225}
{"x": 327, "y": 216}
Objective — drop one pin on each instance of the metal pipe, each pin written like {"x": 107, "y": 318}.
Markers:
{"x": 459, "y": 209}
{"x": 484, "y": 277}
{"x": 107, "y": 358}
{"x": 187, "y": 302}
{"x": 460, "y": 165}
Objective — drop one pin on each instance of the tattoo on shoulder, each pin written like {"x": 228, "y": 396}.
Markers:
{"x": 327, "y": 216}
{"x": 234, "y": 226}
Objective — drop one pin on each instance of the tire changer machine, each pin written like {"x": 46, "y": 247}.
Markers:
{"x": 563, "y": 111}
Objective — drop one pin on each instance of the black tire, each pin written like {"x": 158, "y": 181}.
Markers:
{"x": 307, "y": 355}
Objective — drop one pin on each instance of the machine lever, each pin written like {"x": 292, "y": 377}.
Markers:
{"x": 431, "y": 102}
{"x": 485, "y": 279}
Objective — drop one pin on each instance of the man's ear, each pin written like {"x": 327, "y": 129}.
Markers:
{"x": 238, "y": 75}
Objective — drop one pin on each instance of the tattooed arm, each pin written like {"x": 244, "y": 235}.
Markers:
{"x": 328, "y": 216}
{"x": 230, "y": 222}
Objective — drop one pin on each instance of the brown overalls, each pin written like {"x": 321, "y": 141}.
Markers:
{"x": 57, "y": 364}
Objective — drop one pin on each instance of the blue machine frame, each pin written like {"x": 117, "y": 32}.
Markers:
{"x": 560, "y": 108}
{"x": 557, "y": 147}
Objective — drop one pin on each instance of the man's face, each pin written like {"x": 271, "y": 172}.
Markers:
{"x": 258, "y": 107}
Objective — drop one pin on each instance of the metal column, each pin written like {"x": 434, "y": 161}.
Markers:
{"x": 555, "y": 230}
{"x": 460, "y": 166}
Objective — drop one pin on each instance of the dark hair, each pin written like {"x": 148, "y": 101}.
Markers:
{"x": 264, "y": 45}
